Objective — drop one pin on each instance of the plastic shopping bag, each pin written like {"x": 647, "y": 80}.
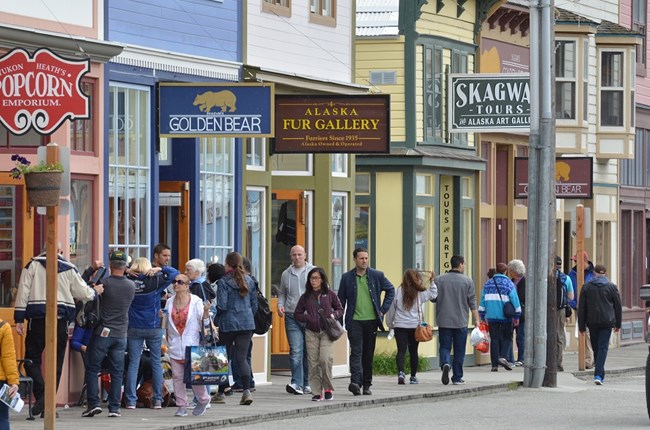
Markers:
{"x": 476, "y": 337}
{"x": 484, "y": 345}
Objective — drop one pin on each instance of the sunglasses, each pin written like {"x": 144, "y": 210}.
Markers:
{"x": 178, "y": 282}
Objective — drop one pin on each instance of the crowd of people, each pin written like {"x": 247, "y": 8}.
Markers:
{"x": 150, "y": 306}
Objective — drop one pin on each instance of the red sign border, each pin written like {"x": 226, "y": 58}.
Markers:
{"x": 64, "y": 117}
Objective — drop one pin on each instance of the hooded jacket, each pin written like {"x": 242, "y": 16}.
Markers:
{"x": 30, "y": 297}
{"x": 599, "y": 305}
{"x": 573, "y": 274}
{"x": 235, "y": 313}
{"x": 145, "y": 306}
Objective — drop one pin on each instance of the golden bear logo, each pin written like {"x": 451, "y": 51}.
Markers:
{"x": 562, "y": 171}
{"x": 225, "y": 99}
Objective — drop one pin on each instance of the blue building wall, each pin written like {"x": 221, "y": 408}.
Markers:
{"x": 206, "y": 28}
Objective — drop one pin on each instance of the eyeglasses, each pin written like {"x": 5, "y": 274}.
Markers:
{"x": 315, "y": 278}
{"x": 178, "y": 282}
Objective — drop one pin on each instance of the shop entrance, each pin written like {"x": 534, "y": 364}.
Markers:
{"x": 16, "y": 245}
{"x": 174, "y": 220}
{"x": 289, "y": 225}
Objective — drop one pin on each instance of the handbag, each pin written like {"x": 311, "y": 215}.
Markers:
{"x": 206, "y": 365}
{"x": 508, "y": 307}
{"x": 423, "y": 332}
{"x": 330, "y": 325}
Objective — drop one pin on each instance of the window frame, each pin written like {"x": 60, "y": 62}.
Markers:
{"x": 639, "y": 23}
{"x": 602, "y": 89}
{"x": 277, "y": 7}
{"x": 317, "y": 17}
{"x": 561, "y": 80}
{"x": 88, "y": 125}
{"x": 252, "y": 144}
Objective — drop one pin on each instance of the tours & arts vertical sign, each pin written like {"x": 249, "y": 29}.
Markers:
{"x": 41, "y": 91}
{"x": 446, "y": 221}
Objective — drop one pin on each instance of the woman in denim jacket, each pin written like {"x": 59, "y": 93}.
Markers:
{"x": 236, "y": 306}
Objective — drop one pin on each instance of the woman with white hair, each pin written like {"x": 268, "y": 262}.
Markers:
{"x": 517, "y": 273}
{"x": 199, "y": 285}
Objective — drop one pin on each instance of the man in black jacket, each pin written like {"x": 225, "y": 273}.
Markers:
{"x": 599, "y": 309}
{"x": 361, "y": 289}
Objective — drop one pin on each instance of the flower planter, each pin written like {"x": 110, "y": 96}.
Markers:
{"x": 43, "y": 188}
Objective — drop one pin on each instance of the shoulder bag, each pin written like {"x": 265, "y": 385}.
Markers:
{"x": 330, "y": 325}
{"x": 423, "y": 332}
{"x": 508, "y": 307}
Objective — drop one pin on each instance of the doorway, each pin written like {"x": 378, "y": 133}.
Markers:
{"x": 174, "y": 219}
{"x": 289, "y": 227}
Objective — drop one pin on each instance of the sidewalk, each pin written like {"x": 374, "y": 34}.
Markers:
{"x": 272, "y": 402}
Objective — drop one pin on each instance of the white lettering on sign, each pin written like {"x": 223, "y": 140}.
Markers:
{"x": 190, "y": 124}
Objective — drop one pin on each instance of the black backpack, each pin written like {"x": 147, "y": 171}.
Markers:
{"x": 88, "y": 313}
{"x": 560, "y": 279}
{"x": 263, "y": 316}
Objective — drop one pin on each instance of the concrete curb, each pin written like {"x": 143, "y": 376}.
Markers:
{"x": 588, "y": 374}
{"x": 322, "y": 409}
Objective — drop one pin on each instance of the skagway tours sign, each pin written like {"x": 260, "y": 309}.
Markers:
{"x": 332, "y": 124}
{"x": 41, "y": 91}
{"x": 489, "y": 102}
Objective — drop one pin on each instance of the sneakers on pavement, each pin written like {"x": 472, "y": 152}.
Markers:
{"x": 181, "y": 412}
{"x": 316, "y": 398}
{"x": 219, "y": 398}
{"x": 200, "y": 408}
{"x": 294, "y": 389}
{"x": 329, "y": 395}
{"x": 504, "y": 363}
{"x": 246, "y": 398}
{"x": 91, "y": 411}
{"x": 445, "y": 373}
{"x": 495, "y": 369}
{"x": 307, "y": 389}
{"x": 130, "y": 406}
{"x": 413, "y": 380}
{"x": 114, "y": 414}
{"x": 354, "y": 389}
{"x": 400, "y": 378}
{"x": 157, "y": 404}
{"x": 598, "y": 380}
{"x": 519, "y": 363}
{"x": 459, "y": 382}
{"x": 366, "y": 391}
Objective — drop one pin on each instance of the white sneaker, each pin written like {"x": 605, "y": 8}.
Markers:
{"x": 307, "y": 389}
{"x": 294, "y": 389}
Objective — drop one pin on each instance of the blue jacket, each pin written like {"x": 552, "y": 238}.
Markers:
{"x": 573, "y": 274}
{"x": 491, "y": 307}
{"x": 145, "y": 306}
{"x": 235, "y": 313}
{"x": 377, "y": 283}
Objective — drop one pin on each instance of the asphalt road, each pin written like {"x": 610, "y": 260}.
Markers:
{"x": 620, "y": 403}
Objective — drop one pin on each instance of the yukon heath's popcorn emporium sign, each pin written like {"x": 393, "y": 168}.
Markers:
{"x": 226, "y": 110}
{"x": 489, "y": 102}
{"x": 41, "y": 91}
{"x": 332, "y": 124}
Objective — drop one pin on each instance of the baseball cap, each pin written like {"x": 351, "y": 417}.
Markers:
{"x": 584, "y": 253}
{"x": 558, "y": 260}
{"x": 118, "y": 256}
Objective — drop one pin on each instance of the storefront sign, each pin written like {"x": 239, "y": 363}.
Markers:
{"x": 41, "y": 91}
{"x": 486, "y": 102}
{"x": 446, "y": 221}
{"x": 333, "y": 124}
{"x": 216, "y": 110}
{"x": 573, "y": 177}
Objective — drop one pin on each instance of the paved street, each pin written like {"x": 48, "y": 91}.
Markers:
{"x": 490, "y": 393}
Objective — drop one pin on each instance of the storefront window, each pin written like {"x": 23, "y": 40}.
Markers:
{"x": 340, "y": 165}
{"x": 362, "y": 226}
{"x": 129, "y": 170}
{"x": 255, "y": 154}
{"x": 339, "y": 235}
{"x": 217, "y": 195}
{"x": 81, "y": 222}
{"x": 291, "y": 164}
{"x": 423, "y": 238}
{"x": 255, "y": 243}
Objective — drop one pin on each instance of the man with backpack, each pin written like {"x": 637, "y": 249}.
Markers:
{"x": 564, "y": 296}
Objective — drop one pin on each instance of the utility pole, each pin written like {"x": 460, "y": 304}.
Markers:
{"x": 540, "y": 164}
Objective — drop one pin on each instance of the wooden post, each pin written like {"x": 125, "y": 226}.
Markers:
{"x": 580, "y": 275}
{"x": 51, "y": 303}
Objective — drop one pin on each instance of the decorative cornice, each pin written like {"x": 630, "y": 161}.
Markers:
{"x": 175, "y": 62}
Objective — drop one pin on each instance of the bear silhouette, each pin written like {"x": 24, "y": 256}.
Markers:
{"x": 225, "y": 99}
{"x": 562, "y": 171}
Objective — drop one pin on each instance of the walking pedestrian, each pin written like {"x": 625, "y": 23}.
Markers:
{"x": 360, "y": 293}
{"x": 8, "y": 370}
{"x": 496, "y": 293}
{"x": 405, "y": 314}
{"x": 573, "y": 274}
{"x": 517, "y": 274}
{"x": 567, "y": 295}
{"x": 318, "y": 300}
{"x": 599, "y": 309}
{"x": 292, "y": 287}
{"x": 456, "y": 298}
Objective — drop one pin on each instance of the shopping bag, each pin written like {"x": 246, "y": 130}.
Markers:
{"x": 206, "y": 365}
{"x": 476, "y": 337}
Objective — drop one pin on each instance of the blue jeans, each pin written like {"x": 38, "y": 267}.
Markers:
{"x": 521, "y": 339}
{"x": 100, "y": 347}
{"x": 362, "y": 336}
{"x": 600, "y": 344}
{"x": 456, "y": 338}
{"x": 297, "y": 351}
{"x": 136, "y": 337}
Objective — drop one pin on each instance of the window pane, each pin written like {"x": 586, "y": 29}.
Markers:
{"x": 565, "y": 100}
{"x": 612, "y": 69}
{"x": 611, "y": 108}
{"x": 362, "y": 226}
{"x": 81, "y": 222}
{"x": 290, "y": 162}
{"x": 339, "y": 229}
{"x": 423, "y": 246}
{"x": 255, "y": 231}
{"x": 362, "y": 183}
{"x": 565, "y": 59}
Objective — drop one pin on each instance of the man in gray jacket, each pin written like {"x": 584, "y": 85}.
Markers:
{"x": 292, "y": 286}
{"x": 456, "y": 296}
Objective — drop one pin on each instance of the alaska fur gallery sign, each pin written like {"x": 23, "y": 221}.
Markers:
{"x": 489, "y": 102}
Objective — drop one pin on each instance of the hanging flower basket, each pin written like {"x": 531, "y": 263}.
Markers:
{"x": 43, "y": 188}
